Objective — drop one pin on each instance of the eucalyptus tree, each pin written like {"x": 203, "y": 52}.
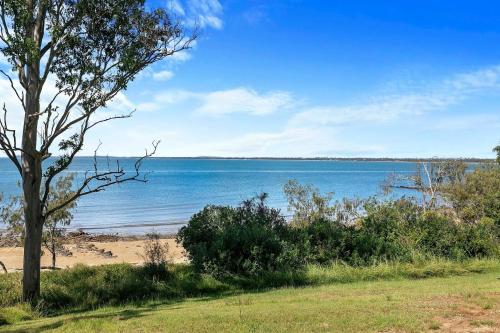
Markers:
{"x": 77, "y": 55}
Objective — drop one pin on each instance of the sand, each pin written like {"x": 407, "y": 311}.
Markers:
{"x": 93, "y": 253}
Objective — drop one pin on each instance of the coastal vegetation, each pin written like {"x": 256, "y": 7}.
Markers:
{"x": 457, "y": 218}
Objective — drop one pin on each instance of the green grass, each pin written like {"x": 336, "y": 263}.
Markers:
{"x": 395, "y": 305}
{"x": 396, "y": 297}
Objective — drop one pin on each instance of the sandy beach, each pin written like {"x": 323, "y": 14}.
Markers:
{"x": 94, "y": 253}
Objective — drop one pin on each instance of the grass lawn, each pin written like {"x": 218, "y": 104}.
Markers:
{"x": 458, "y": 303}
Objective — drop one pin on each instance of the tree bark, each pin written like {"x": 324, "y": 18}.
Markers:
{"x": 31, "y": 264}
{"x": 32, "y": 178}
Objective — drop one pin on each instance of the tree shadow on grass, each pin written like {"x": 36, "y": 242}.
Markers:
{"x": 120, "y": 315}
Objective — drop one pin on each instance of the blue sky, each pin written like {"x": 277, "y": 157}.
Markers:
{"x": 320, "y": 78}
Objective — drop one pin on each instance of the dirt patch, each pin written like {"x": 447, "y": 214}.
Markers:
{"x": 476, "y": 314}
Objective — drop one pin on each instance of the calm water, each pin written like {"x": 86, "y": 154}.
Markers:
{"x": 177, "y": 188}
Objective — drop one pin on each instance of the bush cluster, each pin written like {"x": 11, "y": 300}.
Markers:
{"x": 400, "y": 231}
{"x": 253, "y": 238}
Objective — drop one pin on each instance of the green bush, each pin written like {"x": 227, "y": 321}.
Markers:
{"x": 326, "y": 241}
{"x": 477, "y": 196}
{"x": 436, "y": 234}
{"x": 248, "y": 239}
{"x": 481, "y": 239}
{"x": 381, "y": 233}
{"x": 252, "y": 239}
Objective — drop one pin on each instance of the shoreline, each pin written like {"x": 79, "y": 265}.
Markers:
{"x": 93, "y": 250}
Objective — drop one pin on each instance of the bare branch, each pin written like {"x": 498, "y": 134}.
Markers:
{"x": 19, "y": 96}
{"x": 75, "y": 145}
{"x": 108, "y": 178}
{"x": 8, "y": 141}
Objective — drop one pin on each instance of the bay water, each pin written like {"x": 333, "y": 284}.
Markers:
{"x": 177, "y": 188}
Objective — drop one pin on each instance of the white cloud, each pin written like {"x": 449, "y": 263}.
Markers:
{"x": 176, "y": 7}
{"x": 290, "y": 142}
{"x": 380, "y": 109}
{"x": 390, "y": 107}
{"x": 180, "y": 56}
{"x": 481, "y": 79}
{"x": 464, "y": 122}
{"x": 167, "y": 98}
{"x": 203, "y": 13}
{"x": 242, "y": 100}
{"x": 206, "y": 12}
{"x": 314, "y": 130}
{"x": 163, "y": 75}
{"x": 223, "y": 102}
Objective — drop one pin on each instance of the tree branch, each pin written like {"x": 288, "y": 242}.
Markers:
{"x": 19, "y": 96}
{"x": 6, "y": 144}
{"x": 109, "y": 178}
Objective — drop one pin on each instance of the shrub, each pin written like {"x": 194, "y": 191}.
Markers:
{"x": 481, "y": 239}
{"x": 477, "y": 196}
{"x": 438, "y": 235}
{"x": 248, "y": 239}
{"x": 327, "y": 241}
{"x": 380, "y": 235}
{"x": 155, "y": 256}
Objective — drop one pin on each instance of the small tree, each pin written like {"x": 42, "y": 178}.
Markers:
{"x": 155, "y": 253}
{"x": 306, "y": 203}
{"x": 309, "y": 205}
{"x": 53, "y": 232}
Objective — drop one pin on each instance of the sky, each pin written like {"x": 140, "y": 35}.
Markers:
{"x": 315, "y": 78}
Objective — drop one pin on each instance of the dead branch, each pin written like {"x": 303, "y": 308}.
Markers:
{"x": 8, "y": 141}
{"x": 106, "y": 179}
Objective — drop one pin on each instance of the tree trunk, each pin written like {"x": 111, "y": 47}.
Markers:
{"x": 31, "y": 264}
{"x": 32, "y": 178}
{"x": 53, "y": 253}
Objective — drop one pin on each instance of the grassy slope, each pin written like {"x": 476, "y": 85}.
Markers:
{"x": 472, "y": 300}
